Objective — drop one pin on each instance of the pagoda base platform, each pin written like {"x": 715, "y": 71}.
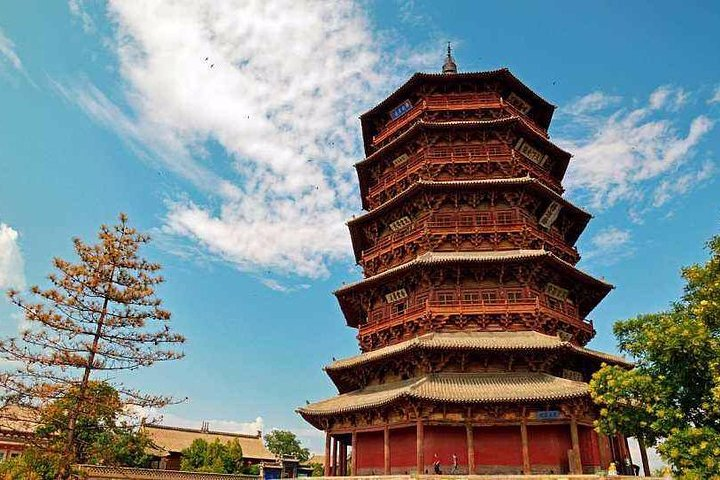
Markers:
{"x": 498, "y": 477}
{"x": 541, "y": 447}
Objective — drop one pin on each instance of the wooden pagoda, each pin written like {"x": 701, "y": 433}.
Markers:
{"x": 472, "y": 317}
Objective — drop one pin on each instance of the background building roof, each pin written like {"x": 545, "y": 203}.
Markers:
{"x": 176, "y": 439}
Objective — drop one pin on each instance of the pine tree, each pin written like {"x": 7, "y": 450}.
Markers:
{"x": 99, "y": 317}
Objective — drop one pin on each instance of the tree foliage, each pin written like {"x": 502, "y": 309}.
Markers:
{"x": 103, "y": 436}
{"x": 99, "y": 316}
{"x": 672, "y": 396}
{"x": 213, "y": 457}
{"x": 283, "y": 442}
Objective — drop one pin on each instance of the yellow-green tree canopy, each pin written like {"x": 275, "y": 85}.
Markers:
{"x": 672, "y": 396}
{"x": 284, "y": 442}
{"x": 212, "y": 457}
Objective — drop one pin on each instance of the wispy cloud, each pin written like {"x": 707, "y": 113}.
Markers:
{"x": 715, "y": 97}
{"x": 278, "y": 86}
{"x": 591, "y": 103}
{"x": 8, "y": 54}
{"x": 622, "y": 153}
{"x": 609, "y": 246}
{"x": 12, "y": 265}
{"x": 681, "y": 184}
{"x": 273, "y": 284}
{"x": 78, "y": 10}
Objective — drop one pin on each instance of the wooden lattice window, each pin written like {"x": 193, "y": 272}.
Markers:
{"x": 483, "y": 218}
{"x": 467, "y": 220}
{"x": 513, "y": 296}
{"x": 471, "y": 297}
{"x": 446, "y": 298}
{"x": 489, "y": 296}
{"x": 505, "y": 217}
{"x": 443, "y": 220}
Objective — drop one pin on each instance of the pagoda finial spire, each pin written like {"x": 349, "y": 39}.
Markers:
{"x": 449, "y": 66}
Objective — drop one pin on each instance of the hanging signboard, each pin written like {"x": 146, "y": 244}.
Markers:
{"x": 548, "y": 414}
{"x": 531, "y": 152}
{"x": 556, "y": 292}
{"x": 396, "y": 295}
{"x": 550, "y": 215}
{"x": 401, "y": 110}
{"x": 518, "y": 103}
{"x": 400, "y": 223}
{"x": 400, "y": 159}
{"x": 573, "y": 375}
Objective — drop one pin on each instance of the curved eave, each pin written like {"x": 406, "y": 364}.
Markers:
{"x": 452, "y": 258}
{"x": 561, "y": 156}
{"x": 355, "y": 224}
{"x": 472, "y": 341}
{"x": 454, "y": 388}
{"x": 543, "y": 108}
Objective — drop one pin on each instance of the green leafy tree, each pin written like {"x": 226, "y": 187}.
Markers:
{"x": 100, "y": 316}
{"x": 672, "y": 396}
{"x": 102, "y": 433}
{"x": 318, "y": 469}
{"x": 213, "y": 457}
{"x": 283, "y": 442}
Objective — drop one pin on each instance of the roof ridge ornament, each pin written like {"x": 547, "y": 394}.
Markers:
{"x": 449, "y": 66}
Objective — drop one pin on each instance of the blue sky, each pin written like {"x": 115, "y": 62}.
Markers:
{"x": 241, "y": 166}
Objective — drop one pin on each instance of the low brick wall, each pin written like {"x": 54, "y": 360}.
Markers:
{"x": 96, "y": 472}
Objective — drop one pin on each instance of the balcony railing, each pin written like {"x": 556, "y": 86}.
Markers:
{"x": 452, "y": 102}
{"x": 513, "y": 220}
{"x": 389, "y": 316}
{"x": 476, "y": 154}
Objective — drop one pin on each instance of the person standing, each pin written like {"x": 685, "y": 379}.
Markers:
{"x": 454, "y": 470}
{"x": 436, "y": 464}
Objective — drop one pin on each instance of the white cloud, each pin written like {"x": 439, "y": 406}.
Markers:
{"x": 78, "y": 10}
{"x": 715, "y": 98}
{"x": 609, "y": 246}
{"x": 669, "y": 188}
{"x": 8, "y": 54}
{"x": 669, "y": 97}
{"x": 273, "y": 284}
{"x": 590, "y": 103}
{"x": 622, "y": 153}
{"x": 12, "y": 266}
{"x": 611, "y": 238}
{"x": 278, "y": 86}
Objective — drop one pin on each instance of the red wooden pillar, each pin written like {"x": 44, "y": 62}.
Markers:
{"x": 343, "y": 459}
{"x": 420, "y": 434}
{"x": 604, "y": 446}
{"x": 386, "y": 450}
{"x": 470, "y": 448}
{"x": 327, "y": 454}
{"x": 353, "y": 453}
{"x": 525, "y": 447}
{"x": 576, "y": 463}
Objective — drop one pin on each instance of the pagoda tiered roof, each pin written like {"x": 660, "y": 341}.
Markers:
{"x": 355, "y": 223}
{"x": 473, "y": 341}
{"x": 432, "y": 259}
{"x": 563, "y": 157}
{"x": 462, "y": 388}
{"x": 542, "y": 109}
